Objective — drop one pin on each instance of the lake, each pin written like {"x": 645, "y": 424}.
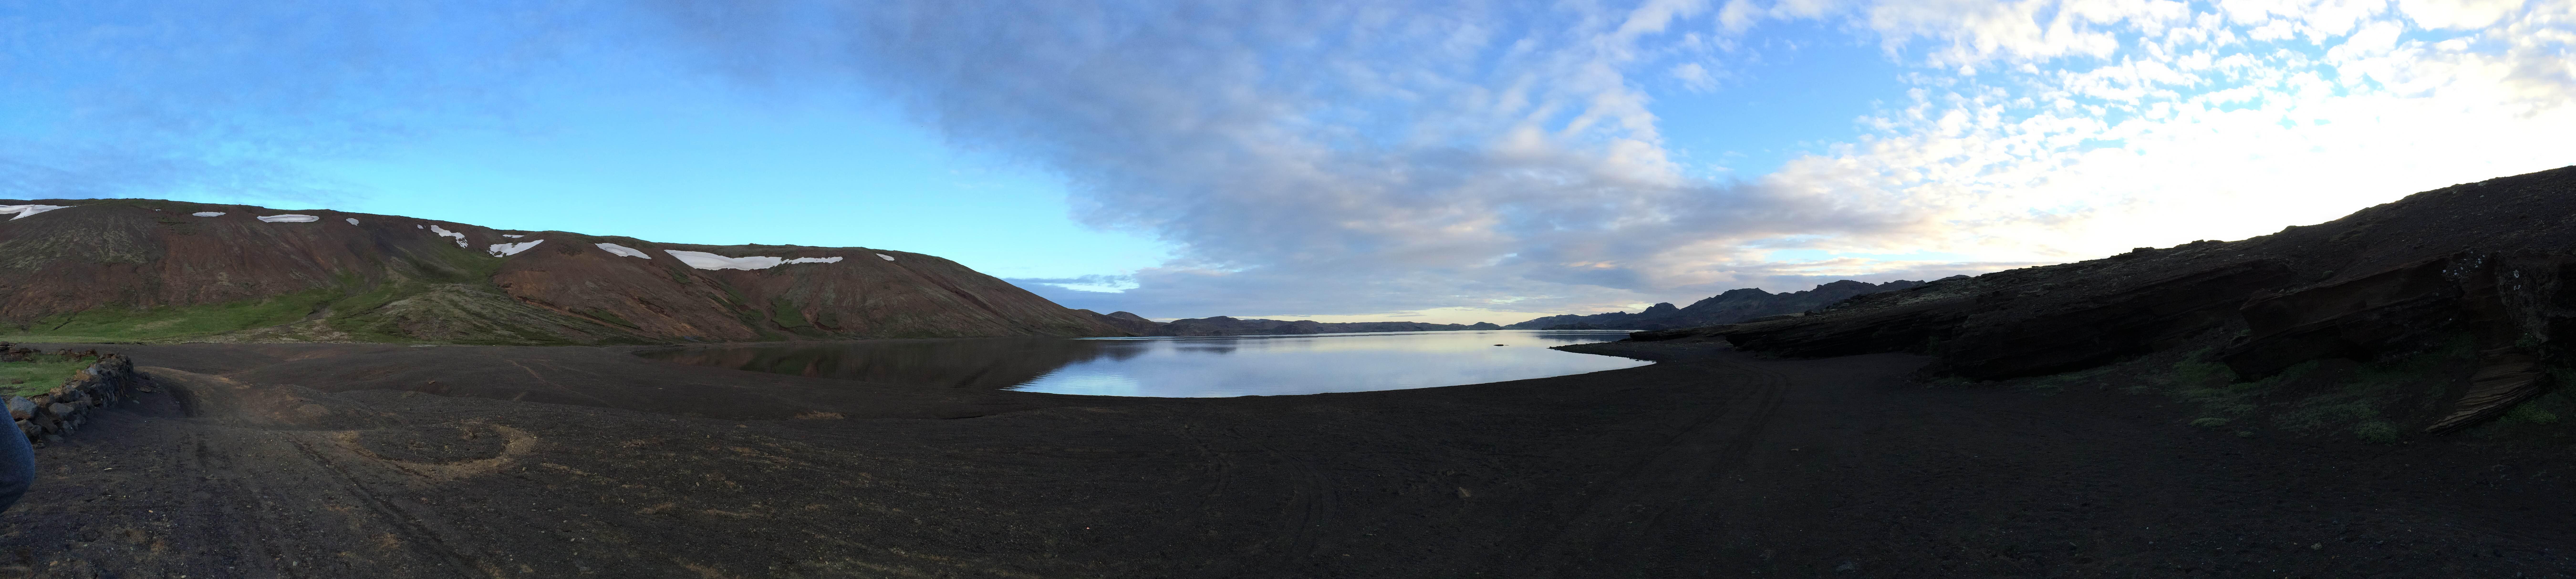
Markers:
{"x": 1185, "y": 367}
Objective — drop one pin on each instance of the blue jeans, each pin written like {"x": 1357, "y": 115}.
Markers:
{"x": 17, "y": 467}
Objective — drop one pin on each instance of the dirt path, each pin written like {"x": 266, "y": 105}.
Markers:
{"x": 1709, "y": 464}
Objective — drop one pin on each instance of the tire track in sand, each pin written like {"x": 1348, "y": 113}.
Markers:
{"x": 1618, "y": 517}
{"x": 1310, "y": 506}
{"x": 412, "y": 528}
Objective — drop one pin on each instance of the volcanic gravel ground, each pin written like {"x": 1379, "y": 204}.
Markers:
{"x": 342, "y": 461}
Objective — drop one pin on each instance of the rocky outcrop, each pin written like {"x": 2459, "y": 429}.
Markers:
{"x": 49, "y": 416}
{"x": 2027, "y": 322}
{"x": 1735, "y": 305}
{"x": 2517, "y": 302}
{"x": 2505, "y": 377}
{"x": 2490, "y": 261}
{"x": 130, "y": 269}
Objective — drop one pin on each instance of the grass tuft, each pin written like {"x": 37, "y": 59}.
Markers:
{"x": 2529, "y": 413}
{"x": 2194, "y": 372}
{"x": 609, "y": 316}
{"x": 2209, "y": 385}
{"x": 2373, "y": 389}
{"x": 784, "y": 313}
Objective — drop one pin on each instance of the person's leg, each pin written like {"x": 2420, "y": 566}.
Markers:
{"x": 17, "y": 466}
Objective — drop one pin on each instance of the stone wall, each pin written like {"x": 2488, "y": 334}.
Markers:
{"x": 62, "y": 410}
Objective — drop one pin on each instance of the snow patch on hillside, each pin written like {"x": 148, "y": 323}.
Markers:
{"x": 508, "y": 249}
{"x": 704, "y": 260}
{"x": 208, "y": 214}
{"x": 615, "y": 249}
{"x": 442, "y": 232}
{"x": 885, "y": 257}
{"x": 512, "y": 236}
{"x": 25, "y": 210}
{"x": 289, "y": 218}
{"x": 352, "y": 220}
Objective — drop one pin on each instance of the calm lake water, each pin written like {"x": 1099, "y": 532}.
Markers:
{"x": 1181, "y": 367}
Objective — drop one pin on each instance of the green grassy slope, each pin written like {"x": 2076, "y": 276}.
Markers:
{"x": 35, "y": 377}
{"x": 117, "y": 324}
{"x": 399, "y": 312}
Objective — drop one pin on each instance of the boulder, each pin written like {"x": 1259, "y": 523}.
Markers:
{"x": 19, "y": 407}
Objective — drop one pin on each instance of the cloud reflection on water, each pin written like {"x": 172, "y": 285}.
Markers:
{"x": 1180, "y": 367}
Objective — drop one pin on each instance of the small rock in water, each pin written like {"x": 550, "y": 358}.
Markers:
{"x": 1497, "y": 344}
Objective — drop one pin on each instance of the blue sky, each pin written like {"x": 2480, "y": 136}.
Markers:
{"x": 1432, "y": 160}
{"x": 711, "y": 164}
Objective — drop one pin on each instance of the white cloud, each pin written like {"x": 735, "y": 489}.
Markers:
{"x": 1356, "y": 157}
{"x": 1352, "y": 157}
{"x": 1694, "y": 76}
{"x": 2064, "y": 151}
{"x": 2457, "y": 14}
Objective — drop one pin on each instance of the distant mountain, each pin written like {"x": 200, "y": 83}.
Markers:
{"x": 1132, "y": 323}
{"x": 1225, "y": 326}
{"x": 1730, "y": 307}
{"x": 135, "y": 270}
{"x": 1726, "y": 308}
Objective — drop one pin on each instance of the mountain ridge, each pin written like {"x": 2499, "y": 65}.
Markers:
{"x": 158, "y": 270}
{"x": 1732, "y": 306}
{"x": 2479, "y": 276}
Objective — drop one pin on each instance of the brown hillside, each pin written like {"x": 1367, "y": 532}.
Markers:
{"x": 2489, "y": 263}
{"x": 148, "y": 269}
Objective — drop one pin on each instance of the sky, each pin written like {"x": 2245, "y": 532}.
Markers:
{"x": 1440, "y": 161}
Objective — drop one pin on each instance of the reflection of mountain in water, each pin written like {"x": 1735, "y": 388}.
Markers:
{"x": 1581, "y": 337}
{"x": 1196, "y": 366}
{"x": 983, "y": 363}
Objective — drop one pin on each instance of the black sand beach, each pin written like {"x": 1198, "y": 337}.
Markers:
{"x": 348, "y": 461}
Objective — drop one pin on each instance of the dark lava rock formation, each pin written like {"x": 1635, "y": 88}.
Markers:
{"x": 1733, "y": 306}
{"x": 151, "y": 270}
{"x": 2488, "y": 261}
